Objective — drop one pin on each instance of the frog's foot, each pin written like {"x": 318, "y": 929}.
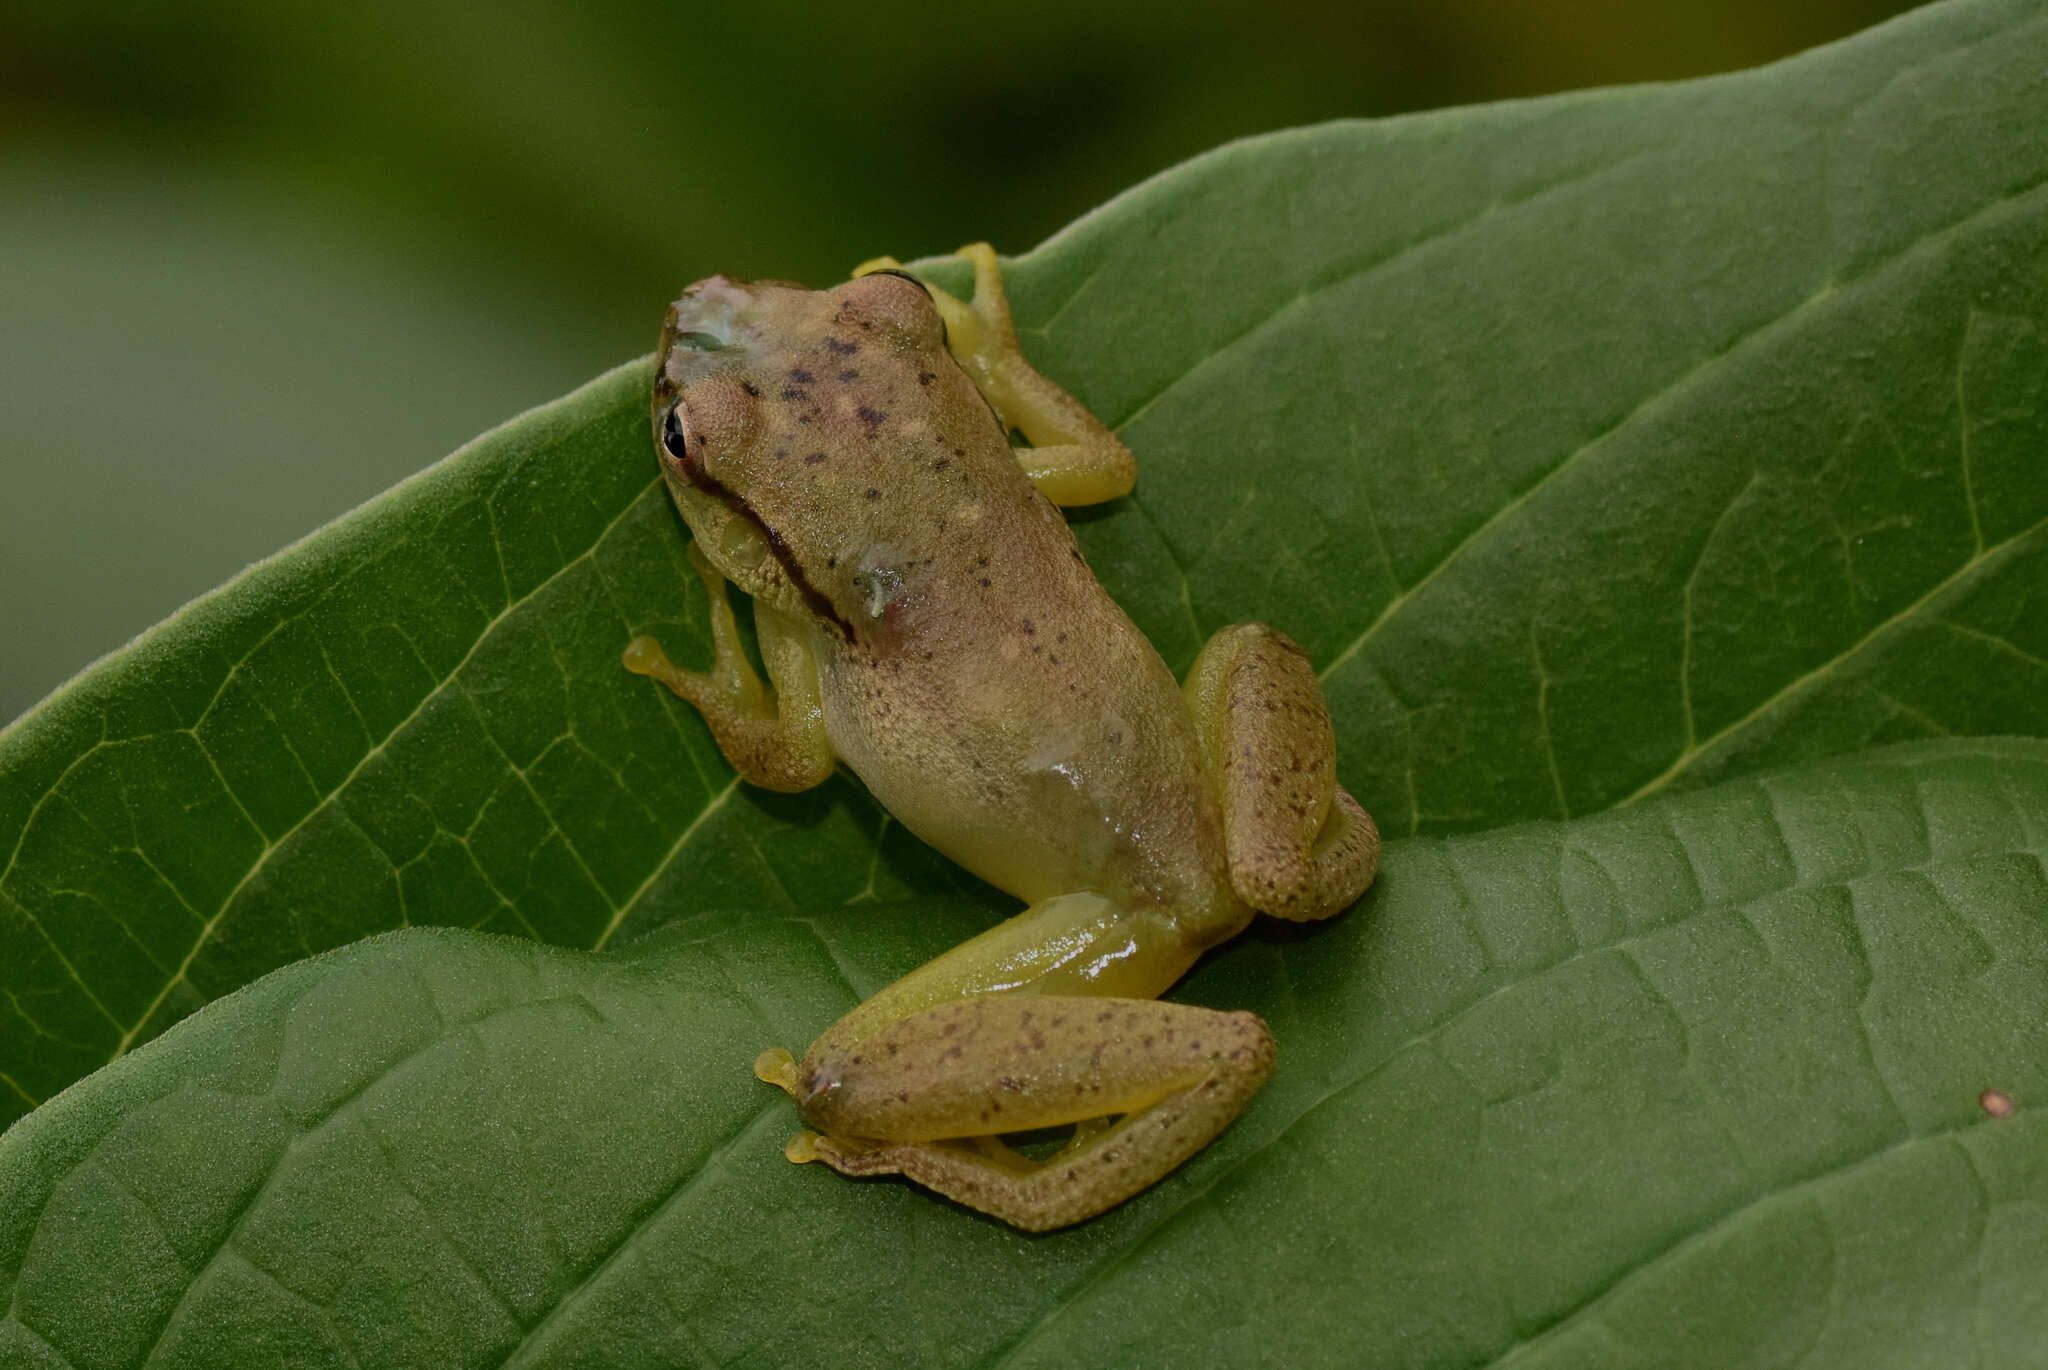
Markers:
{"x": 1299, "y": 846}
{"x": 928, "y": 1097}
{"x": 774, "y": 740}
{"x": 802, "y": 1149}
{"x": 777, "y": 1067}
{"x": 1074, "y": 458}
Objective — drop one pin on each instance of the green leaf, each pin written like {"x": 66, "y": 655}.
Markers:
{"x": 1598, "y": 447}
{"x": 415, "y": 716}
{"x": 1695, "y": 1082}
{"x": 1595, "y": 445}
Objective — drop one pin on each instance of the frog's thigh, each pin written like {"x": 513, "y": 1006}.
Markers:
{"x": 1014, "y": 1062}
{"x": 1299, "y": 846}
{"x": 776, "y": 741}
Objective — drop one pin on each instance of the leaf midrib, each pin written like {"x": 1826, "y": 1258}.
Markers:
{"x": 1663, "y": 394}
{"x": 1660, "y": 396}
{"x": 1694, "y": 749}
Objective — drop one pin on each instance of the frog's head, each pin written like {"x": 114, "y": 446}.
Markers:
{"x": 778, "y": 412}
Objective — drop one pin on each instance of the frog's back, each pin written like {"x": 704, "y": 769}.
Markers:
{"x": 973, "y": 672}
{"x": 1002, "y": 705}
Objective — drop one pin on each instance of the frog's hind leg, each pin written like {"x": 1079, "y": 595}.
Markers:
{"x": 1049, "y": 1018}
{"x": 1074, "y": 458}
{"x": 1299, "y": 846}
{"x": 924, "y": 1097}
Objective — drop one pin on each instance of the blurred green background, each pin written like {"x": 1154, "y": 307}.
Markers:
{"x": 258, "y": 262}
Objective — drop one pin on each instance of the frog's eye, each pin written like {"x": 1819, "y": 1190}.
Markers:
{"x": 675, "y": 436}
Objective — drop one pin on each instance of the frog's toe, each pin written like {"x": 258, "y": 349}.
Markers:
{"x": 777, "y": 1067}
{"x": 848, "y": 1155}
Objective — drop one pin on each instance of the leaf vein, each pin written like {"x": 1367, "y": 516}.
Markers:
{"x": 313, "y": 1127}
{"x": 320, "y": 1311}
{"x": 1422, "y": 1040}
{"x": 685, "y": 1184}
{"x": 1995, "y": 641}
{"x": 1173, "y": 559}
{"x": 1821, "y": 672}
{"x": 262, "y": 862}
{"x": 1357, "y": 269}
{"x": 632, "y": 900}
{"x": 1799, "y": 1189}
{"x": 1705, "y": 366}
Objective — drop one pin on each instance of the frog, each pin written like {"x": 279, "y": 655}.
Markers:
{"x": 925, "y": 617}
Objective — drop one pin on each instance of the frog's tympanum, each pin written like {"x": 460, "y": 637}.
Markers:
{"x": 925, "y": 616}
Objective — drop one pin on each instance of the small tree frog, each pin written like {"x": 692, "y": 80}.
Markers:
{"x": 926, "y": 616}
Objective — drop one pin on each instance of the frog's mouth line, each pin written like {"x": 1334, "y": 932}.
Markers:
{"x": 698, "y": 479}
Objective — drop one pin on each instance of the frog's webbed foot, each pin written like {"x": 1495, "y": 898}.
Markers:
{"x": 773, "y": 739}
{"x": 1147, "y": 1084}
{"x": 1074, "y": 458}
{"x": 1300, "y": 847}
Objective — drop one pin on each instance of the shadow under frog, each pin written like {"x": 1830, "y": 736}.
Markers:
{"x": 926, "y": 616}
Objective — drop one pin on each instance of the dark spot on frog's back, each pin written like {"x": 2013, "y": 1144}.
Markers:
{"x": 841, "y": 349}
{"x": 870, "y": 416}
{"x": 801, "y": 376}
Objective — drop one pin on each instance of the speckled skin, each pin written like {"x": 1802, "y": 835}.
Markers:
{"x": 974, "y": 673}
{"x": 1135, "y": 1049}
{"x": 926, "y": 616}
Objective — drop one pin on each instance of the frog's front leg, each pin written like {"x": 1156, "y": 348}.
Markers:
{"x": 773, "y": 739}
{"x": 1074, "y": 458}
{"x": 1044, "y": 1020}
{"x": 1300, "y": 847}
